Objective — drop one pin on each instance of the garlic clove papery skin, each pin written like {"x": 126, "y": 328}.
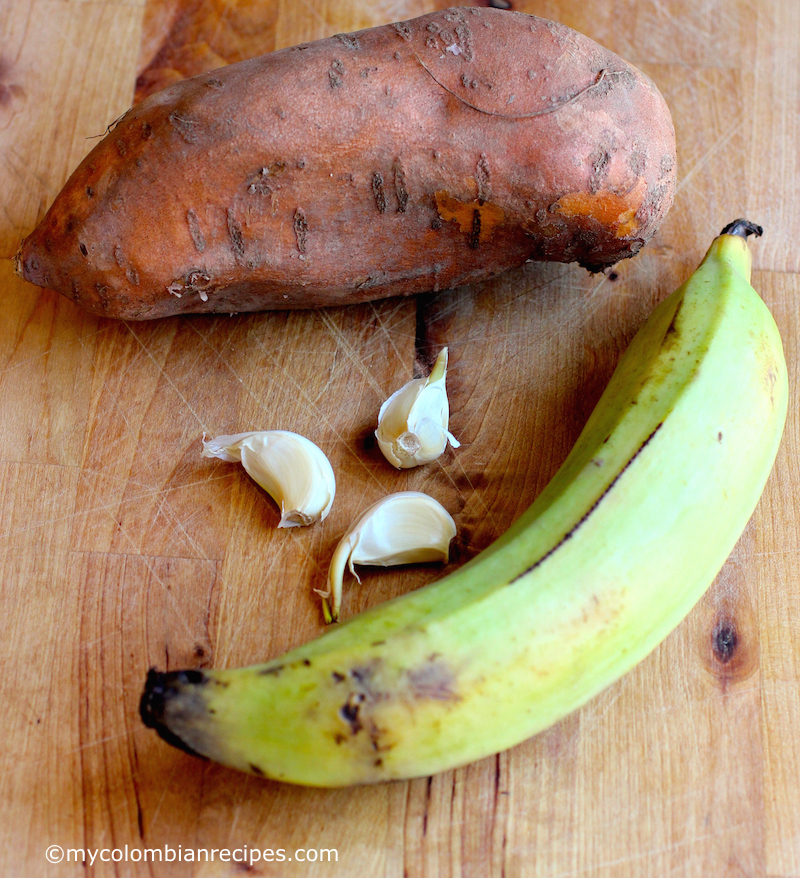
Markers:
{"x": 413, "y": 422}
{"x": 290, "y": 468}
{"x": 408, "y": 527}
{"x": 227, "y": 448}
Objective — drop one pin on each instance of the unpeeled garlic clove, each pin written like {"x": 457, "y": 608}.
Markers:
{"x": 404, "y": 528}
{"x": 413, "y": 422}
{"x": 289, "y": 467}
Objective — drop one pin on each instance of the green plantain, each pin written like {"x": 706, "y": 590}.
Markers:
{"x": 611, "y": 556}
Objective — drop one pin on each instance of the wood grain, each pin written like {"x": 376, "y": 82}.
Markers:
{"x": 121, "y": 548}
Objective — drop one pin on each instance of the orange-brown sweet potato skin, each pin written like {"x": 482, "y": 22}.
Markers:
{"x": 406, "y": 158}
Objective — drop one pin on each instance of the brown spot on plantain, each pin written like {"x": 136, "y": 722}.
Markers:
{"x": 671, "y": 335}
{"x": 770, "y": 379}
{"x": 434, "y": 680}
{"x": 489, "y": 216}
{"x": 349, "y": 712}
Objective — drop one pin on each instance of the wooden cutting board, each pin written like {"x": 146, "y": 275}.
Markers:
{"x": 121, "y": 548}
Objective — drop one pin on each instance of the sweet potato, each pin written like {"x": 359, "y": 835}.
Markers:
{"x": 412, "y": 157}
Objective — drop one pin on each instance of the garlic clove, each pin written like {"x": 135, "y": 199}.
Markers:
{"x": 404, "y": 528}
{"x": 413, "y": 422}
{"x": 289, "y": 467}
